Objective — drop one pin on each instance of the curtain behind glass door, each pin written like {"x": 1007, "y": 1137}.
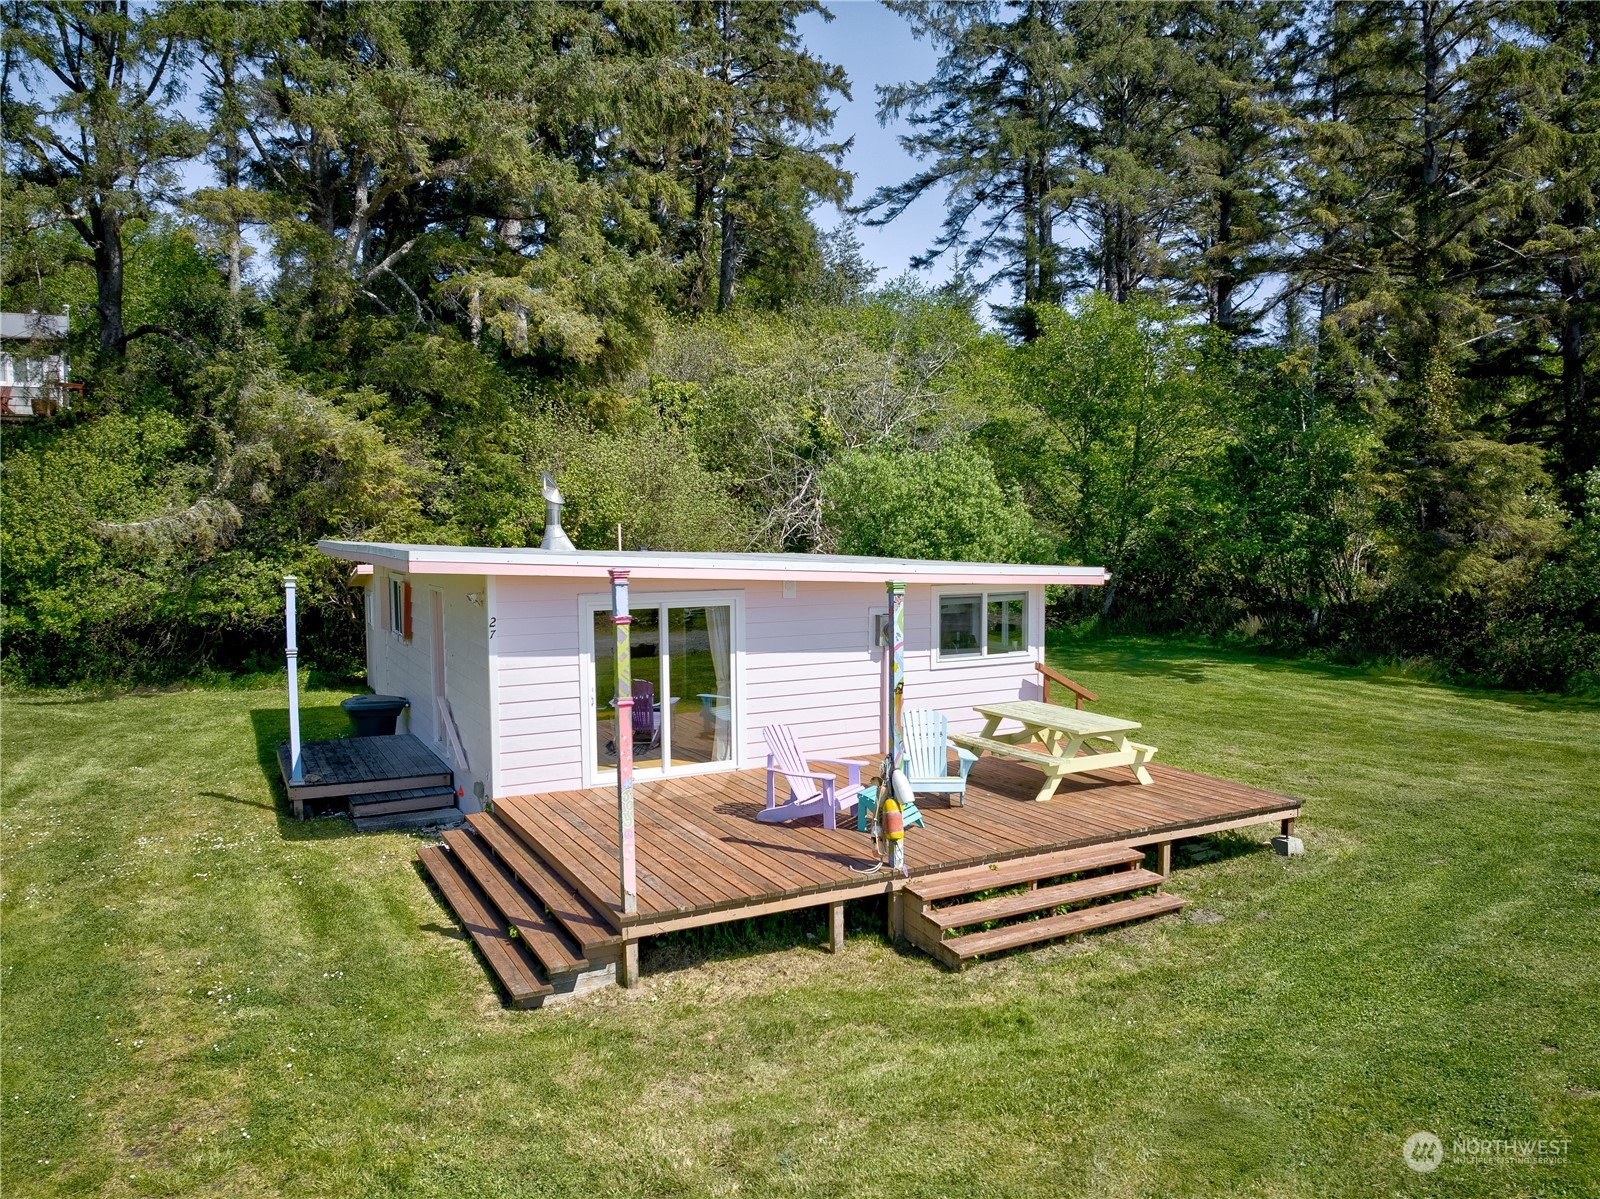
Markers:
{"x": 700, "y": 643}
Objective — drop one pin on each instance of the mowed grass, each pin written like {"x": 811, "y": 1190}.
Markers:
{"x": 203, "y": 997}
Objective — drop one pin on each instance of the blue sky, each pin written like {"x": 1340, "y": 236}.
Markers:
{"x": 875, "y": 47}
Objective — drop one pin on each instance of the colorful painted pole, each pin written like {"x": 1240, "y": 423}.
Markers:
{"x": 624, "y": 709}
{"x": 292, "y": 653}
{"x": 897, "y": 674}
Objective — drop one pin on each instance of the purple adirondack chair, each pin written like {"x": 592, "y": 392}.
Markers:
{"x": 646, "y": 717}
{"x": 810, "y": 794}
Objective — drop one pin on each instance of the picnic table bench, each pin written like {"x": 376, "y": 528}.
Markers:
{"x": 1062, "y": 733}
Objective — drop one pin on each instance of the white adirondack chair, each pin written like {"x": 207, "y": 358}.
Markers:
{"x": 927, "y": 738}
{"x": 810, "y": 794}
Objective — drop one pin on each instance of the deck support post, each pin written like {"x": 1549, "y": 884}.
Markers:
{"x": 1164, "y": 859}
{"x": 1286, "y": 826}
{"x": 620, "y": 621}
{"x": 897, "y": 673}
{"x": 836, "y": 928}
{"x": 628, "y": 965}
{"x": 897, "y": 929}
{"x": 292, "y": 657}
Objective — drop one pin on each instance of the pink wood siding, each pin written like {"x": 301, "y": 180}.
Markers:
{"x": 808, "y": 663}
{"x": 399, "y": 667}
{"x": 539, "y": 695}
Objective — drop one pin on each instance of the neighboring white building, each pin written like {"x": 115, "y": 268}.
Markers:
{"x": 33, "y": 364}
{"x": 506, "y": 654}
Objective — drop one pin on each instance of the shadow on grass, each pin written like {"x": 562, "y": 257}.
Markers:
{"x": 271, "y": 728}
{"x": 803, "y": 928}
{"x": 1218, "y": 847}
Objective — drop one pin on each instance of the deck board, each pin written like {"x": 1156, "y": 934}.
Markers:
{"x": 701, "y": 849}
{"x": 361, "y": 765}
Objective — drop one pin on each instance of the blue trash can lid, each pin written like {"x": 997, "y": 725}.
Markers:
{"x": 374, "y": 703}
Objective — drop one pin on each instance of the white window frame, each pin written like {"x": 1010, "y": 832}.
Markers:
{"x": 1031, "y": 616}
{"x": 588, "y": 605}
{"x": 397, "y": 607}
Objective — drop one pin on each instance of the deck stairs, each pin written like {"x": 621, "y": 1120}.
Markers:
{"x": 544, "y": 941}
{"x": 959, "y": 916}
{"x": 540, "y": 939}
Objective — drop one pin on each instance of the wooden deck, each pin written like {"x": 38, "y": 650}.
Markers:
{"x": 356, "y": 766}
{"x": 703, "y": 858}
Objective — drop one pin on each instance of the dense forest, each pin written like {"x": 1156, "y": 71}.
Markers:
{"x": 1286, "y": 313}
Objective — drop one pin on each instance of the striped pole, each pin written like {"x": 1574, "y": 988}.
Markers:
{"x": 292, "y": 654}
{"x": 897, "y": 674}
{"x": 624, "y": 708}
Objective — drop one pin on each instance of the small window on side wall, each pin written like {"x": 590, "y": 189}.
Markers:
{"x": 400, "y": 608}
{"x": 983, "y": 624}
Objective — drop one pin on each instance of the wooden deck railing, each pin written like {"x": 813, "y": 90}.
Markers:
{"x": 1079, "y": 694}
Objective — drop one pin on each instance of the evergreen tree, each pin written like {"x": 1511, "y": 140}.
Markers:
{"x": 1236, "y": 85}
{"x": 1424, "y": 163}
{"x": 991, "y": 127}
{"x": 102, "y": 137}
{"x": 753, "y": 163}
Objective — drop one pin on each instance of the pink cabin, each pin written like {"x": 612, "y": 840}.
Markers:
{"x": 519, "y": 644}
{"x": 558, "y": 869}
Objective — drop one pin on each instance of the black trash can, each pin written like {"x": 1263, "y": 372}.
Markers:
{"x": 375, "y": 715}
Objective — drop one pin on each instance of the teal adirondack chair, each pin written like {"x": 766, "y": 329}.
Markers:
{"x": 927, "y": 762}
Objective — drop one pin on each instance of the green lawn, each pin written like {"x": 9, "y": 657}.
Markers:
{"x": 202, "y": 997}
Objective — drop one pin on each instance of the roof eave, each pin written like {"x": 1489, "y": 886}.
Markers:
{"x": 592, "y": 564}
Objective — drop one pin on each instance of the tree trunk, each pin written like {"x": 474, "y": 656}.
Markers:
{"x": 1580, "y": 443}
{"x": 728, "y": 265}
{"x": 108, "y": 270}
{"x": 232, "y": 171}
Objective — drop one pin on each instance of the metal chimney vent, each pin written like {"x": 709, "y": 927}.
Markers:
{"x": 555, "y": 537}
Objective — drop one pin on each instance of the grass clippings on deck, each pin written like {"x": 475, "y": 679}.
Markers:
{"x": 200, "y": 996}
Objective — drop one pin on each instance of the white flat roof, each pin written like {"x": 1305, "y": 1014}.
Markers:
{"x": 33, "y": 325}
{"x": 651, "y": 564}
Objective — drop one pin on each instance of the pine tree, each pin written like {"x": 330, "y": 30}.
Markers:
{"x": 1422, "y": 160}
{"x": 990, "y": 126}
{"x": 753, "y": 161}
{"x": 95, "y": 124}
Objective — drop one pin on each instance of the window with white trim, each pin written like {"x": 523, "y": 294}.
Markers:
{"x": 400, "y": 608}
{"x": 983, "y": 624}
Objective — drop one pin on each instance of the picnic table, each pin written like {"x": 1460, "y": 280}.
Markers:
{"x": 1062, "y": 732}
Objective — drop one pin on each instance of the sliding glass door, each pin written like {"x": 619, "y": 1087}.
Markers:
{"x": 683, "y": 694}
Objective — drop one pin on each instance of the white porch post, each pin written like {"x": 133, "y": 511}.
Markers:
{"x": 897, "y": 673}
{"x": 620, "y": 620}
{"x": 292, "y": 654}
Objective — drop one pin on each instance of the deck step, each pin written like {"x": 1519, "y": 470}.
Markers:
{"x": 414, "y": 799}
{"x": 404, "y": 822}
{"x": 1042, "y": 898}
{"x": 508, "y": 961}
{"x": 539, "y": 933}
{"x": 1034, "y": 932}
{"x": 950, "y": 883}
{"x": 579, "y": 917}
